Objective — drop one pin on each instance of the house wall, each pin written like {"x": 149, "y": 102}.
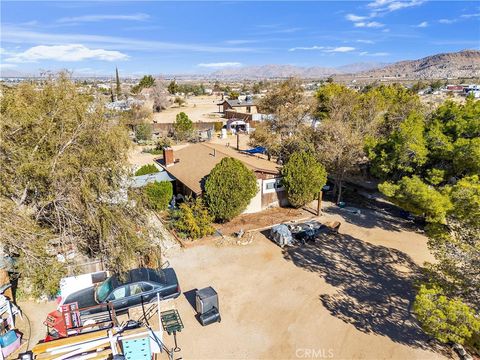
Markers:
{"x": 256, "y": 202}
{"x": 273, "y": 194}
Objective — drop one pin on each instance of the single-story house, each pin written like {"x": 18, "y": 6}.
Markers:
{"x": 191, "y": 165}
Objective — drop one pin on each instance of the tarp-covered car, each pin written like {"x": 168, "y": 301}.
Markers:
{"x": 282, "y": 235}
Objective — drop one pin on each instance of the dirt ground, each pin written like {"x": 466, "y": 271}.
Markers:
{"x": 198, "y": 109}
{"x": 347, "y": 296}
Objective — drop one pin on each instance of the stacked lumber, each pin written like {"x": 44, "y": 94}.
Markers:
{"x": 98, "y": 345}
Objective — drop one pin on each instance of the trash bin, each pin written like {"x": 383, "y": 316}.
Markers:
{"x": 207, "y": 306}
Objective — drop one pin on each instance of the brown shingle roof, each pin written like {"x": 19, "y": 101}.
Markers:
{"x": 196, "y": 161}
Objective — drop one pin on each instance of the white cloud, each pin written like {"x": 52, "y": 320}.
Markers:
{"x": 106, "y": 17}
{"x": 220, "y": 64}
{"x": 341, "y": 49}
{"x": 326, "y": 49}
{"x": 365, "y": 41}
{"x": 370, "y": 24}
{"x": 21, "y": 36}
{"x": 315, "y": 47}
{"x": 366, "y": 53}
{"x": 467, "y": 16}
{"x": 423, "y": 24}
{"x": 447, "y": 21}
{"x": 353, "y": 17}
{"x": 240, "y": 42}
{"x": 69, "y": 52}
{"x": 393, "y": 5}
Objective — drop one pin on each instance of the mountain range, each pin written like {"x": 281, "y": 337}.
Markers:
{"x": 462, "y": 64}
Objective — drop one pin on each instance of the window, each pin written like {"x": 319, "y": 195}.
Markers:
{"x": 147, "y": 287}
{"x": 270, "y": 186}
{"x": 135, "y": 289}
{"x": 118, "y": 293}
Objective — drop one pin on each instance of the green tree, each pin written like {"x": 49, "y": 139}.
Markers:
{"x": 158, "y": 194}
{"x": 233, "y": 94}
{"x": 117, "y": 80}
{"x": 147, "y": 81}
{"x": 183, "y": 126}
{"x": 414, "y": 195}
{"x": 303, "y": 178}
{"x": 448, "y": 320}
{"x": 229, "y": 189}
{"x": 193, "y": 220}
{"x": 63, "y": 168}
{"x": 173, "y": 87}
{"x": 404, "y": 152}
{"x": 146, "y": 169}
{"x": 143, "y": 132}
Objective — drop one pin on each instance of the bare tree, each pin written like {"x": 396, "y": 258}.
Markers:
{"x": 160, "y": 96}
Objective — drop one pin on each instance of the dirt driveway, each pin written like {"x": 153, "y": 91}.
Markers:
{"x": 346, "y": 297}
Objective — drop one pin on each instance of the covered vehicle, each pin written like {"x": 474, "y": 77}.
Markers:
{"x": 133, "y": 288}
{"x": 306, "y": 231}
{"x": 282, "y": 235}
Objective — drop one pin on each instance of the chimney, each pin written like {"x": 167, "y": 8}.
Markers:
{"x": 168, "y": 156}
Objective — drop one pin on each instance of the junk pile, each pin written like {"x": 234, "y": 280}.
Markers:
{"x": 10, "y": 337}
{"x": 301, "y": 233}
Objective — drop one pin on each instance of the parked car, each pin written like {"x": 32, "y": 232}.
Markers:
{"x": 130, "y": 290}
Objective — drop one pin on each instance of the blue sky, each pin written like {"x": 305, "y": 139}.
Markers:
{"x": 198, "y": 37}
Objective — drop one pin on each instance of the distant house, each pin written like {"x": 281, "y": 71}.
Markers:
{"x": 191, "y": 165}
{"x": 238, "y": 109}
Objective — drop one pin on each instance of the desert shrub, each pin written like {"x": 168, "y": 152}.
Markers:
{"x": 229, "y": 189}
{"x": 146, "y": 169}
{"x": 158, "y": 194}
{"x": 193, "y": 220}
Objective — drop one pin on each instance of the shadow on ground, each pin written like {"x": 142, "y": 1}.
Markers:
{"x": 374, "y": 285}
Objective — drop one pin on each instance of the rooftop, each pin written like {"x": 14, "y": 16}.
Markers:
{"x": 194, "y": 162}
{"x": 237, "y": 103}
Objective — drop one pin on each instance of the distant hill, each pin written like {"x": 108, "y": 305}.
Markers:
{"x": 462, "y": 64}
{"x": 284, "y": 71}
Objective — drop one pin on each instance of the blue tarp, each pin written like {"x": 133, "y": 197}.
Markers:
{"x": 256, "y": 150}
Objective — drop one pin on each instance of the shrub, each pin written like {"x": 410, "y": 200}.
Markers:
{"x": 303, "y": 178}
{"x": 158, "y": 194}
{"x": 193, "y": 220}
{"x": 218, "y": 125}
{"x": 146, "y": 169}
{"x": 229, "y": 189}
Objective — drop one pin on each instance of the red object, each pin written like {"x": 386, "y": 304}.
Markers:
{"x": 60, "y": 321}
{"x": 56, "y": 321}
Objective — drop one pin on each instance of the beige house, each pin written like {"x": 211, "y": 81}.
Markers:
{"x": 191, "y": 165}
{"x": 238, "y": 109}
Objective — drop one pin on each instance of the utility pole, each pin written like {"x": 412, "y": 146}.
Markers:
{"x": 319, "y": 203}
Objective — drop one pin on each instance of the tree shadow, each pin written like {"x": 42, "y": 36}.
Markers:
{"x": 374, "y": 285}
{"x": 387, "y": 217}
